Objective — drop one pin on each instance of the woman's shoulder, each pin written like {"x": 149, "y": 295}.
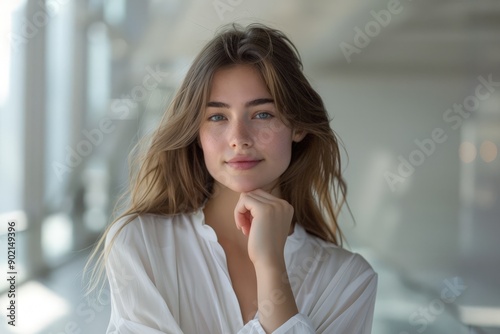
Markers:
{"x": 332, "y": 257}
{"x": 133, "y": 227}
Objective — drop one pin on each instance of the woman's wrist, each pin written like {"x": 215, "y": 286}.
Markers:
{"x": 276, "y": 302}
{"x": 270, "y": 264}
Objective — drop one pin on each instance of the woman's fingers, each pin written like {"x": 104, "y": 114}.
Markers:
{"x": 266, "y": 220}
{"x": 248, "y": 205}
{"x": 244, "y": 221}
{"x": 243, "y": 211}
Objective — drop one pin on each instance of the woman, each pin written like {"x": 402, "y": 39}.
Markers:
{"x": 231, "y": 224}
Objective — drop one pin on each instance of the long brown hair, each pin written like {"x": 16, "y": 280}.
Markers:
{"x": 169, "y": 175}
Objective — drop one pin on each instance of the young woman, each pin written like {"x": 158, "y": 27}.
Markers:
{"x": 231, "y": 224}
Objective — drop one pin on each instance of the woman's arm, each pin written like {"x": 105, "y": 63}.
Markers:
{"x": 342, "y": 298}
{"x": 276, "y": 302}
{"x": 266, "y": 220}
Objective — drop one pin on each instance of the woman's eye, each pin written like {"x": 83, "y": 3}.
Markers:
{"x": 216, "y": 118}
{"x": 264, "y": 115}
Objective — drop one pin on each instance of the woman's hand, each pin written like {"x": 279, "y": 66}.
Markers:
{"x": 266, "y": 220}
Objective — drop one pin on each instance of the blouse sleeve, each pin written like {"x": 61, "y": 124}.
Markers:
{"x": 136, "y": 304}
{"x": 347, "y": 303}
{"x": 298, "y": 324}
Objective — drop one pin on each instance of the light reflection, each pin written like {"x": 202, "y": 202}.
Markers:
{"x": 57, "y": 235}
{"x": 488, "y": 151}
{"x": 29, "y": 299}
{"x": 480, "y": 316}
{"x": 467, "y": 152}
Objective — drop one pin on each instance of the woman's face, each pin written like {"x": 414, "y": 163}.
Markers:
{"x": 244, "y": 144}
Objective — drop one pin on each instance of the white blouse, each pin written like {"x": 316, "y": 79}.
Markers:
{"x": 168, "y": 274}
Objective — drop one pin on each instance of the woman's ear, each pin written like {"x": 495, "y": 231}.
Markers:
{"x": 298, "y": 135}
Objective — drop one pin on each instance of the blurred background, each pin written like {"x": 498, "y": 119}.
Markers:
{"x": 413, "y": 88}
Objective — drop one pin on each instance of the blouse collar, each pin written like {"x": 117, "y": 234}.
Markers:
{"x": 295, "y": 239}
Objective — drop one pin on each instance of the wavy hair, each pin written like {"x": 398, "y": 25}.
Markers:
{"x": 168, "y": 176}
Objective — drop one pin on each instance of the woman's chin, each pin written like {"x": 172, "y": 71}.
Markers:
{"x": 244, "y": 187}
{"x": 240, "y": 187}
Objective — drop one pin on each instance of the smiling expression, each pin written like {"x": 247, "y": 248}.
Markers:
{"x": 245, "y": 145}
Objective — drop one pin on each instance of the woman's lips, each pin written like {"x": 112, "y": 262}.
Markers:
{"x": 242, "y": 165}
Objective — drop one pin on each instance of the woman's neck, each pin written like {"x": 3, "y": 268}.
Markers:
{"x": 219, "y": 214}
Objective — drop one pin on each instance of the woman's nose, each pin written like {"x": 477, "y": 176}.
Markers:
{"x": 240, "y": 134}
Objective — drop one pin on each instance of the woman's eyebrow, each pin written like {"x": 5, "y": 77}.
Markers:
{"x": 258, "y": 102}
{"x": 253, "y": 103}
